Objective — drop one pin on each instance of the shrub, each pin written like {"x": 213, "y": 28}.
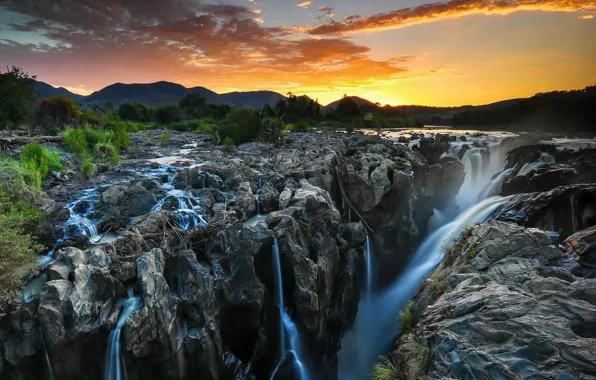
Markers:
{"x": 165, "y": 138}
{"x": 75, "y": 140}
{"x": 350, "y": 128}
{"x": 37, "y": 159}
{"x": 87, "y": 167}
{"x": 105, "y": 152}
{"x": 410, "y": 357}
{"x": 301, "y": 126}
{"x": 473, "y": 252}
{"x": 18, "y": 219}
{"x": 121, "y": 138}
{"x": 167, "y": 114}
{"x": 59, "y": 108}
{"x": 386, "y": 369}
{"x": 406, "y": 319}
{"x": 205, "y": 126}
{"x": 241, "y": 125}
{"x": 228, "y": 143}
{"x": 438, "y": 285}
{"x": 18, "y": 94}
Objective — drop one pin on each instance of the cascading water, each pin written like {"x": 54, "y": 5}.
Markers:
{"x": 187, "y": 214}
{"x": 545, "y": 159}
{"x": 369, "y": 270}
{"x": 494, "y": 186}
{"x": 290, "y": 343}
{"x": 47, "y": 358}
{"x": 374, "y": 329}
{"x": 113, "y": 365}
{"x": 436, "y": 220}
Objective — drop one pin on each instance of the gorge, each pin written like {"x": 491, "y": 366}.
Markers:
{"x": 293, "y": 262}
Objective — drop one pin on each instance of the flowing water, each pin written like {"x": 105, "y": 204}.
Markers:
{"x": 374, "y": 330}
{"x": 545, "y": 159}
{"x": 47, "y": 357}
{"x": 114, "y": 369}
{"x": 369, "y": 269}
{"x": 290, "y": 343}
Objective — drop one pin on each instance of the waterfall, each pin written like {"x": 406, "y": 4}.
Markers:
{"x": 113, "y": 365}
{"x": 187, "y": 215}
{"x": 544, "y": 159}
{"x": 494, "y": 186}
{"x": 436, "y": 220}
{"x": 258, "y": 203}
{"x": 368, "y": 266}
{"x": 374, "y": 329}
{"x": 290, "y": 343}
{"x": 47, "y": 357}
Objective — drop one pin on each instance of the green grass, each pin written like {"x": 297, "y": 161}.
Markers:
{"x": 106, "y": 152}
{"x": 76, "y": 141}
{"x": 87, "y": 167}
{"x": 473, "y": 252}
{"x": 121, "y": 139}
{"x": 20, "y": 219}
{"x": 228, "y": 143}
{"x": 406, "y": 319}
{"x": 165, "y": 138}
{"x": 39, "y": 160}
{"x": 386, "y": 369}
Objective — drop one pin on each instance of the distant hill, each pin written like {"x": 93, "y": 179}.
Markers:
{"x": 46, "y": 91}
{"x": 160, "y": 93}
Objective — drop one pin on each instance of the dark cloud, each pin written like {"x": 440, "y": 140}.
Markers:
{"x": 448, "y": 9}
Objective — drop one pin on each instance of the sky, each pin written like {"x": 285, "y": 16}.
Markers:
{"x": 394, "y": 52}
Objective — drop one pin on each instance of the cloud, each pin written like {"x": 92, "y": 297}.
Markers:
{"x": 329, "y": 12}
{"x": 305, "y": 4}
{"x": 450, "y": 9}
{"x": 214, "y": 45}
{"x": 586, "y": 17}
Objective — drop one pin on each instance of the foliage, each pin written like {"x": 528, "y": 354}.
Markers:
{"x": 295, "y": 108}
{"x": 473, "y": 252}
{"x": 191, "y": 101}
{"x": 411, "y": 357}
{"x": 165, "y": 138}
{"x": 19, "y": 218}
{"x": 128, "y": 112}
{"x": 272, "y": 130}
{"x": 350, "y": 127}
{"x": 75, "y": 140}
{"x": 17, "y": 97}
{"x": 347, "y": 107}
{"x": 87, "y": 167}
{"x": 205, "y": 126}
{"x": 386, "y": 369}
{"x": 301, "y": 126}
{"x": 37, "y": 159}
{"x": 406, "y": 319}
{"x": 167, "y": 114}
{"x": 228, "y": 143}
{"x": 241, "y": 125}
{"x": 438, "y": 285}
{"x": 121, "y": 139}
{"x": 59, "y": 109}
{"x": 106, "y": 152}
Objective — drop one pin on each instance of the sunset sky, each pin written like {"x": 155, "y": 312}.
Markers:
{"x": 391, "y": 51}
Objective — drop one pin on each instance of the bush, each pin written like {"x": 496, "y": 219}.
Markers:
{"x": 59, "y": 108}
{"x": 406, "y": 319}
{"x": 167, "y": 114}
{"x": 205, "y": 126}
{"x": 301, "y": 126}
{"x": 350, "y": 128}
{"x": 127, "y": 111}
{"x": 37, "y": 159}
{"x": 165, "y": 138}
{"x": 18, "y": 219}
{"x": 87, "y": 167}
{"x": 241, "y": 125}
{"x": 386, "y": 369}
{"x": 75, "y": 140}
{"x": 228, "y": 143}
{"x": 18, "y": 94}
{"x": 121, "y": 138}
{"x": 106, "y": 152}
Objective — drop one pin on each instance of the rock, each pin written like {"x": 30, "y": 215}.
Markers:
{"x": 124, "y": 201}
{"x": 152, "y": 222}
{"x": 583, "y": 243}
{"x": 245, "y": 203}
{"x": 445, "y": 180}
{"x": 505, "y": 317}
{"x": 565, "y": 209}
{"x": 432, "y": 149}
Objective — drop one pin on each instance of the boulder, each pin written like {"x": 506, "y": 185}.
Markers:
{"x": 488, "y": 309}
{"x": 432, "y": 149}
{"x": 152, "y": 222}
{"x": 122, "y": 202}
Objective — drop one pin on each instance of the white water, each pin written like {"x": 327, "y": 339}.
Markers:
{"x": 47, "y": 358}
{"x": 375, "y": 327}
{"x": 289, "y": 336}
{"x": 545, "y": 159}
{"x": 369, "y": 270}
{"x": 113, "y": 368}
{"x": 436, "y": 220}
{"x": 495, "y": 185}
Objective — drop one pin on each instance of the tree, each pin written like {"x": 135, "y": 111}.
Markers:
{"x": 17, "y": 97}
{"x": 191, "y": 101}
{"x": 59, "y": 108}
{"x": 347, "y": 108}
{"x": 167, "y": 114}
{"x": 127, "y": 111}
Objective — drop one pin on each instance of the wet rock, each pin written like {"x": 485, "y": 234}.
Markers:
{"x": 565, "y": 209}
{"x": 445, "y": 180}
{"x": 502, "y": 305}
{"x": 583, "y": 243}
{"x": 152, "y": 222}
{"x": 432, "y": 149}
{"x": 123, "y": 201}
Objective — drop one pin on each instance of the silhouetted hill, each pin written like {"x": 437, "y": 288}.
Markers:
{"x": 361, "y": 102}
{"x": 46, "y": 91}
{"x": 159, "y": 93}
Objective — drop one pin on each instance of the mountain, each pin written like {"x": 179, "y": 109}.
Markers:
{"x": 361, "y": 102}
{"x": 46, "y": 91}
{"x": 160, "y": 93}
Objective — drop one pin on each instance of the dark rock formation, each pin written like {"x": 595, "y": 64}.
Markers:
{"x": 497, "y": 307}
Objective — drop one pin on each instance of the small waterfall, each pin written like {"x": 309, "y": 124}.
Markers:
{"x": 290, "y": 343}
{"x": 375, "y": 327}
{"x": 258, "y": 203}
{"x": 203, "y": 180}
{"x": 47, "y": 357}
{"x": 436, "y": 220}
{"x": 187, "y": 215}
{"x": 544, "y": 159}
{"x": 495, "y": 185}
{"x": 369, "y": 271}
{"x": 113, "y": 366}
